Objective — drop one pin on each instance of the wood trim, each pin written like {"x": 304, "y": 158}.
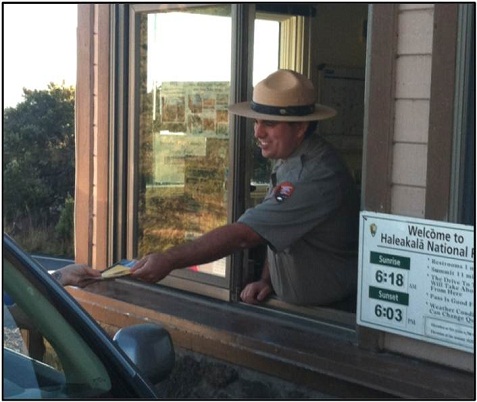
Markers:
{"x": 92, "y": 135}
{"x": 379, "y": 126}
{"x": 302, "y": 352}
{"x": 101, "y": 154}
{"x": 84, "y": 135}
{"x": 441, "y": 115}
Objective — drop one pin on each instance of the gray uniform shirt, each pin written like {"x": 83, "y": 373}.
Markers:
{"x": 310, "y": 219}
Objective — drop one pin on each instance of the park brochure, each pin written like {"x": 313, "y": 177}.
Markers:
{"x": 119, "y": 269}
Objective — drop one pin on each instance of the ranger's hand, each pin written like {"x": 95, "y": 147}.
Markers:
{"x": 152, "y": 268}
{"x": 256, "y": 292}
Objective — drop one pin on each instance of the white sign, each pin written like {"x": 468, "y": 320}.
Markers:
{"x": 416, "y": 279}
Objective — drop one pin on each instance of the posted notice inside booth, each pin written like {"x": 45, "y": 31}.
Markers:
{"x": 416, "y": 279}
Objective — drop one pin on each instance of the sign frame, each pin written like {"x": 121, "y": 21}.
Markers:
{"x": 416, "y": 279}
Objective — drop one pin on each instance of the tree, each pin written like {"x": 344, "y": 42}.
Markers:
{"x": 38, "y": 155}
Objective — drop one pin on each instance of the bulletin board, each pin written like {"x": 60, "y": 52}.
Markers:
{"x": 343, "y": 89}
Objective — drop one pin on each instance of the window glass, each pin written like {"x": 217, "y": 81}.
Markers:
{"x": 265, "y": 48}
{"x": 266, "y": 51}
{"x": 184, "y": 139}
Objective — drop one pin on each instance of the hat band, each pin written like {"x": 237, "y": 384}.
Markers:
{"x": 282, "y": 111}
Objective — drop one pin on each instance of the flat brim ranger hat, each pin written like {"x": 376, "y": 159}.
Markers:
{"x": 284, "y": 95}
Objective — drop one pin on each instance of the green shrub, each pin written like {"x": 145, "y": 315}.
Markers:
{"x": 65, "y": 227}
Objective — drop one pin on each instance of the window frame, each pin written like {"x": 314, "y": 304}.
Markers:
{"x": 216, "y": 287}
{"x": 462, "y": 201}
{"x": 238, "y": 265}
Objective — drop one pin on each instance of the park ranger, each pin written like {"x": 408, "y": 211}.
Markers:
{"x": 309, "y": 218}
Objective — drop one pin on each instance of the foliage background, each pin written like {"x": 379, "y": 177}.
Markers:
{"x": 39, "y": 170}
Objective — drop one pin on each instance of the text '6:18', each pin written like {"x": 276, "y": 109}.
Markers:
{"x": 392, "y": 278}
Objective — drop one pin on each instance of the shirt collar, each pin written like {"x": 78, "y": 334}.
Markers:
{"x": 296, "y": 160}
{"x": 299, "y": 155}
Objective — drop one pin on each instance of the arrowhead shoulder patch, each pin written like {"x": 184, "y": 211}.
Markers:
{"x": 284, "y": 190}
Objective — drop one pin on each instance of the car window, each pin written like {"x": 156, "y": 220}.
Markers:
{"x": 43, "y": 356}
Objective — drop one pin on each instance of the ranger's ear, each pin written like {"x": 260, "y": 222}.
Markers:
{"x": 301, "y": 128}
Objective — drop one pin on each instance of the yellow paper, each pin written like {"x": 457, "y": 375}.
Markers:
{"x": 116, "y": 271}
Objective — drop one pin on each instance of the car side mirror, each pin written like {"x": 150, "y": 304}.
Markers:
{"x": 150, "y": 348}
